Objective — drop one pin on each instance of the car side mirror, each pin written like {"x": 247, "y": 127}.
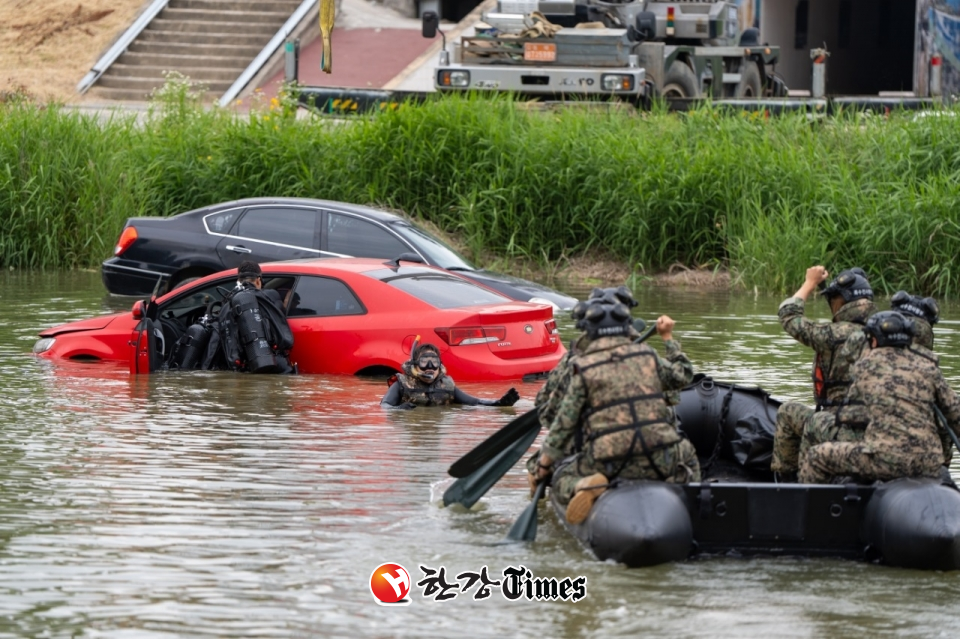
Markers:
{"x": 404, "y": 257}
{"x": 646, "y": 28}
{"x": 431, "y": 22}
{"x": 137, "y": 310}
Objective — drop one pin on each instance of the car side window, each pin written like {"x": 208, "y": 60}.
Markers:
{"x": 198, "y": 298}
{"x": 323, "y": 297}
{"x": 221, "y": 222}
{"x": 348, "y": 235}
{"x": 289, "y": 226}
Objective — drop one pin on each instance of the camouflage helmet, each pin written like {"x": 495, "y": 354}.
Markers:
{"x": 613, "y": 295}
{"x": 926, "y": 308}
{"x": 607, "y": 320}
{"x": 851, "y": 284}
{"x": 891, "y": 328}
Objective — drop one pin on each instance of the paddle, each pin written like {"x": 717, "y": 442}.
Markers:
{"x": 943, "y": 422}
{"x": 468, "y": 490}
{"x": 495, "y": 444}
{"x": 525, "y": 528}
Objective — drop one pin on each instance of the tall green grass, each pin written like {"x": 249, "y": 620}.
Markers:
{"x": 763, "y": 197}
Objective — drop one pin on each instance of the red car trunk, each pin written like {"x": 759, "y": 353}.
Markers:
{"x": 509, "y": 331}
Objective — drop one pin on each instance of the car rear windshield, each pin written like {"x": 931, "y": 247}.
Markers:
{"x": 437, "y": 289}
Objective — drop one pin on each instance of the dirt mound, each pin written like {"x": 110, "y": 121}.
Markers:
{"x": 47, "y": 47}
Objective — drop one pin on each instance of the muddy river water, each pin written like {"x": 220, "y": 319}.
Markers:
{"x": 223, "y": 505}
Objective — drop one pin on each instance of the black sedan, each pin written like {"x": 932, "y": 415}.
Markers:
{"x": 163, "y": 253}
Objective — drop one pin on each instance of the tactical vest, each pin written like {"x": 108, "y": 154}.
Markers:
{"x": 626, "y": 414}
{"x": 439, "y": 393}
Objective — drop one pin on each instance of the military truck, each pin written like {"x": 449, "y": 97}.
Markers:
{"x": 634, "y": 50}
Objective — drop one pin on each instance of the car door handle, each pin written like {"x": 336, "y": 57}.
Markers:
{"x": 238, "y": 249}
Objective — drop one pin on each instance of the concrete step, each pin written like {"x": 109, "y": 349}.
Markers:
{"x": 133, "y": 95}
{"x": 194, "y": 49}
{"x": 180, "y": 38}
{"x": 216, "y": 26}
{"x": 198, "y": 73}
{"x": 176, "y": 61}
{"x": 147, "y": 83}
{"x": 288, "y": 6}
{"x": 276, "y": 18}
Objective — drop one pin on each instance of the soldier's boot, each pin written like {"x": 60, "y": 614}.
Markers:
{"x": 587, "y": 491}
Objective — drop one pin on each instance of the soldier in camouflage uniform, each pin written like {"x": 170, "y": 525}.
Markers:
{"x": 552, "y": 392}
{"x": 424, "y": 382}
{"x": 850, "y": 298}
{"x": 894, "y": 397}
{"x": 615, "y": 405}
{"x": 925, "y": 312}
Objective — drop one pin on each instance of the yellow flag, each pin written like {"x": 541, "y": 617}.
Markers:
{"x": 327, "y": 12}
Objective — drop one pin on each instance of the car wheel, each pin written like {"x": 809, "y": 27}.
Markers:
{"x": 680, "y": 82}
{"x": 750, "y": 81}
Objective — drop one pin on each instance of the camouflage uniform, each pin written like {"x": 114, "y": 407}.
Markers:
{"x": 856, "y": 346}
{"x": 439, "y": 392}
{"x": 892, "y": 398}
{"x": 793, "y": 418}
{"x": 616, "y": 397}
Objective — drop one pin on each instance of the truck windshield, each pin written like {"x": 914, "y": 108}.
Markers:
{"x": 436, "y": 251}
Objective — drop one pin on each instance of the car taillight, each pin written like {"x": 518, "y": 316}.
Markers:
{"x": 128, "y": 237}
{"x": 551, "y": 325}
{"x": 462, "y": 336}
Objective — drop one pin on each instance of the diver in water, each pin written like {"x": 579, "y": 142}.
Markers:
{"x": 424, "y": 382}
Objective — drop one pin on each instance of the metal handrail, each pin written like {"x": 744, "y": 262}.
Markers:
{"x": 267, "y": 51}
{"x": 120, "y": 46}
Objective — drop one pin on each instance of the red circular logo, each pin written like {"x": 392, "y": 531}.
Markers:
{"x": 390, "y": 583}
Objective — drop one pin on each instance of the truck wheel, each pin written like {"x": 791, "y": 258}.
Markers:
{"x": 680, "y": 82}
{"x": 750, "y": 82}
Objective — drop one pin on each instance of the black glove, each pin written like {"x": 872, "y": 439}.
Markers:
{"x": 406, "y": 406}
{"x": 509, "y": 398}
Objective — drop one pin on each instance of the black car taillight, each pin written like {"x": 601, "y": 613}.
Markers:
{"x": 128, "y": 237}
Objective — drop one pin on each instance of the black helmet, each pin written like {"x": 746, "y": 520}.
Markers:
{"x": 891, "y": 328}
{"x": 926, "y": 308}
{"x": 607, "y": 320}
{"x": 851, "y": 284}
{"x": 613, "y": 295}
{"x": 578, "y": 312}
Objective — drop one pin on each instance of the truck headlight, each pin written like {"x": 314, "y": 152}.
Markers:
{"x": 44, "y": 344}
{"x": 454, "y": 78}
{"x": 616, "y": 82}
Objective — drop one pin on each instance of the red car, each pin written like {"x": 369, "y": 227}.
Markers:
{"x": 356, "y": 317}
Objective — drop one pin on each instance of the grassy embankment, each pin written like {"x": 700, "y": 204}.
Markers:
{"x": 764, "y": 198}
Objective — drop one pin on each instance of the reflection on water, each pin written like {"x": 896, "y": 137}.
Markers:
{"x": 230, "y": 505}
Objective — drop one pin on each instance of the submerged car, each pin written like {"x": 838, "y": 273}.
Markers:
{"x": 352, "y": 316}
{"x": 179, "y": 249}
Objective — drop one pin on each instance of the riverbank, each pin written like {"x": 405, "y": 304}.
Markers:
{"x": 759, "y": 198}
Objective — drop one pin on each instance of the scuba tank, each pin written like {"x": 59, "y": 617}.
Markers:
{"x": 252, "y": 333}
{"x": 193, "y": 343}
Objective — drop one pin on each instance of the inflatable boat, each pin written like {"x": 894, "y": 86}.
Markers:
{"x": 738, "y": 510}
